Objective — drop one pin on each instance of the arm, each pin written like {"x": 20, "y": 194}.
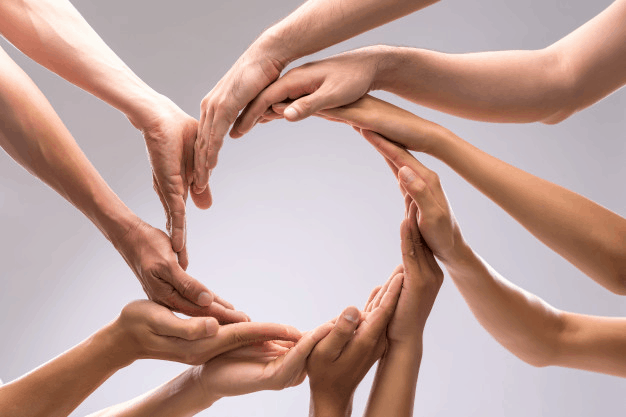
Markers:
{"x": 393, "y": 391}
{"x": 342, "y": 359}
{"x": 523, "y": 323}
{"x": 144, "y": 330}
{"x": 268, "y": 366}
{"x": 33, "y": 135}
{"x": 545, "y": 85}
{"x": 54, "y": 34}
{"x": 327, "y": 22}
{"x": 588, "y": 235}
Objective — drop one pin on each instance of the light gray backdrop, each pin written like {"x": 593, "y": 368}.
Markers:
{"x": 306, "y": 216}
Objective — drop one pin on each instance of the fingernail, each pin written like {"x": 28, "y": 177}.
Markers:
{"x": 211, "y": 330}
{"x": 204, "y": 299}
{"x": 350, "y": 318}
{"x": 290, "y": 113}
{"x": 406, "y": 175}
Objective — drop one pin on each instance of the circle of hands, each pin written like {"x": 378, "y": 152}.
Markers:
{"x": 233, "y": 355}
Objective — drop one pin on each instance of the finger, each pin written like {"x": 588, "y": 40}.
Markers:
{"x": 372, "y": 295}
{"x": 397, "y": 155}
{"x": 419, "y": 191}
{"x": 218, "y": 130}
{"x": 203, "y": 200}
{"x": 233, "y": 336}
{"x": 381, "y": 293}
{"x": 219, "y": 300}
{"x": 225, "y": 315}
{"x": 157, "y": 188}
{"x": 290, "y": 85}
{"x": 188, "y": 287}
{"x": 331, "y": 346}
{"x": 376, "y": 322}
{"x": 411, "y": 242}
{"x": 300, "y": 109}
{"x": 183, "y": 258}
{"x": 200, "y": 166}
{"x": 176, "y": 206}
{"x": 165, "y": 323}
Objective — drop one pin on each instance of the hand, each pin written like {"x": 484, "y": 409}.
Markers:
{"x": 341, "y": 360}
{"x": 170, "y": 135}
{"x": 146, "y": 330}
{"x": 252, "y": 72}
{"x": 435, "y": 219}
{"x": 148, "y": 252}
{"x": 264, "y": 366}
{"x": 329, "y": 83}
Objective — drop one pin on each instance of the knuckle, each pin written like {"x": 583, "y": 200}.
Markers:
{"x": 431, "y": 177}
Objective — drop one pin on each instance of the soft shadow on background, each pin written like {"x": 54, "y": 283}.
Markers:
{"x": 306, "y": 216}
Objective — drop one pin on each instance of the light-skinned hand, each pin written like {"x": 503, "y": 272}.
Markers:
{"x": 146, "y": 330}
{"x": 148, "y": 252}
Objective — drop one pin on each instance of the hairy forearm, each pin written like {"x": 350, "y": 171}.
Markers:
{"x": 318, "y": 24}
{"x": 58, "y": 387}
{"x": 393, "y": 390}
{"x": 33, "y": 135}
{"x": 54, "y": 34}
{"x": 180, "y": 397}
{"x": 521, "y": 322}
{"x": 588, "y": 235}
{"x": 546, "y": 85}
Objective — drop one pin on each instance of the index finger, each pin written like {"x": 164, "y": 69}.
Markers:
{"x": 376, "y": 322}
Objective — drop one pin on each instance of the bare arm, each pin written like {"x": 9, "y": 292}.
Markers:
{"x": 523, "y": 323}
{"x": 588, "y": 235}
{"x": 33, "y": 135}
{"x": 54, "y": 34}
{"x": 545, "y": 85}
{"x": 315, "y": 25}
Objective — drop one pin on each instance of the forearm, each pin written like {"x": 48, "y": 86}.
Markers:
{"x": 54, "y": 34}
{"x": 393, "y": 390}
{"x": 318, "y": 24}
{"x": 521, "y": 322}
{"x": 58, "y": 387}
{"x": 588, "y": 235}
{"x": 545, "y": 85}
{"x": 327, "y": 406}
{"x": 180, "y": 397}
{"x": 33, "y": 135}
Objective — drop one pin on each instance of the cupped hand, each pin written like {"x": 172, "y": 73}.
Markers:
{"x": 148, "y": 252}
{"x": 319, "y": 85}
{"x": 250, "y": 74}
{"x": 435, "y": 219}
{"x": 170, "y": 134}
{"x": 265, "y": 366}
{"x": 146, "y": 330}
{"x": 341, "y": 360}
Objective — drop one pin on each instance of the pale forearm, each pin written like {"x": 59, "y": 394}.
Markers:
{"x": 546, "y": 85}
{"x": 35, "y": 137}
{"x": 521, "y": 322}
{"x": 393, "y": 390}
{"x": 588, "y": 235}
{"x": 180, "y": 397}
{"x": 54, "y": 34}
{"x": 58, "y": 387}
{"x": 328, "y": 22}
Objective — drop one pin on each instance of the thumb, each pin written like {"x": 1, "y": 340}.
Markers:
{"x": 233, "y": 336}
{"x": 308, "y": 105}
{"x": 341, "y": 334}
{"x": 190, "y": 288}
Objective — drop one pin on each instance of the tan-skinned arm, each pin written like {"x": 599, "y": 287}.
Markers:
{"x": 54, "y": 34}
{"x": 546, "y": 85}
{"x": 588, "y": 235}
{"x": 523, "y": 323}
{"x": 33, "y": 135}
{"x": 315, "y": 25}
{"x": 144, "y": 330}
{"x": 395, "y": 384}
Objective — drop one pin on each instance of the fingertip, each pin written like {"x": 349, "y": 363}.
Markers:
{"x": 291, "y": 114}
{"x": 212, "y": 326}
{"x": 204, "y": 299}
{"x": 351, "y": 314}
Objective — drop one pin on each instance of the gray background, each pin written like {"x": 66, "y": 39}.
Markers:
{"x": 306, "y": 216}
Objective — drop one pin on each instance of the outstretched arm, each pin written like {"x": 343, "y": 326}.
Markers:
{"x": 33, "y": 135}
{"x": 523, "y": 323}
{"x": 144, "y": 330}
{"x": 315, "y": 25}
{"x": 588, "y": 235}
{"x": 546, "y": 85}
{"x": 393, "y": 391}
{"x": 54, "y": 34}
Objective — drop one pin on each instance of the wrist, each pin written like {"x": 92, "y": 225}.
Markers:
{"x": 114, "y": 344}
{"x": 275, "y": 47}
{"x": 387, "y": 63}
{"x": 461, "y": 258}
{"x": 330, "y": 404}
